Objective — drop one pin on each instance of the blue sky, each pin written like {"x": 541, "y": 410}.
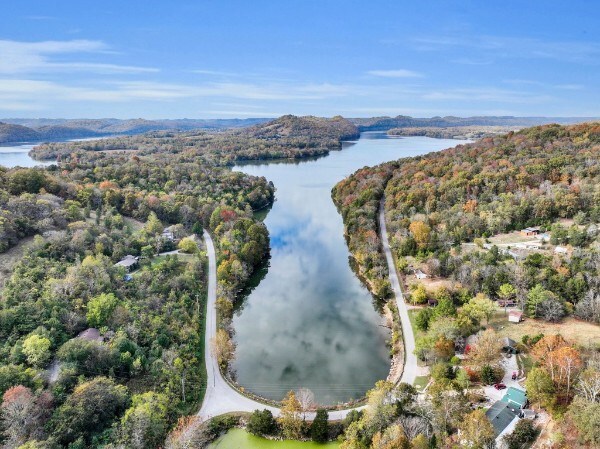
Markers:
{"x": 257, "y": 58}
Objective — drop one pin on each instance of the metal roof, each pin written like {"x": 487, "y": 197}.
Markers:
{"x": 500, "y": 415}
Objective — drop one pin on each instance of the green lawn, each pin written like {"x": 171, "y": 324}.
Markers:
{"x": 421, "y": 382}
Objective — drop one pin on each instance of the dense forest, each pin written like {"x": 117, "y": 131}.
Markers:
{"x": 288, "y": 137}
{"x": 143, "y": 362}
{"x": 453, "y": 132}
{"x": 445, "y": 212}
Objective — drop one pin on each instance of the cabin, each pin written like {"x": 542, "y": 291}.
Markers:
{"x": 168, "y": 234}
{"x": 509, "y": 345}
{"x": 501, "y": 415}
{"x": 531, "y": 231}
{"x": 128, "y": 262}
{"x": 515, "y": 398}
{"x": 420, "y": 275}
{"x": 515, "y": 316}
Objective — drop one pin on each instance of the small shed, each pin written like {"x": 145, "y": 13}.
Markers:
{"x": 500, "y": 414}
{"x": 530, "y": 231}
{"x": 509, "y": 345}
{"x": 128, "y": 262}
{"x": 168, "y": 234}
{"x": 515, "y": 316}
{"x": 515, "y": 398}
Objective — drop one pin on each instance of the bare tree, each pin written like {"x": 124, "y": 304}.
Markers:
{"x": 589, "y": 384}
{"x": 306, "y": 398}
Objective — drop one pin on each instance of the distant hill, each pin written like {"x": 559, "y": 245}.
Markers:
{"x": 29, "y": 130}
{"x": 17, "y": 133}
{"x": 403, "y": 121}
{"x": 288, "y": 137}
{"x": 290, "y": 126}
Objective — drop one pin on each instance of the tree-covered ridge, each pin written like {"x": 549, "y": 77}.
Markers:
{"x": 358, "y": 199}
{"x": 288, "y": 137}
{"x": 500, "y": 183}
{"x": 437, "y": 201}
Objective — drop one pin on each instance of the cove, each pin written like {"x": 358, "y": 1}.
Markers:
{"x": 18, "y": 155}
{"x": 310, "y": 323}
{"x": 240, "y": 439}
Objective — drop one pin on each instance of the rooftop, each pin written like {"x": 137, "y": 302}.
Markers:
{"x": 500, "y": 415}
{"x": 515, "y": 396}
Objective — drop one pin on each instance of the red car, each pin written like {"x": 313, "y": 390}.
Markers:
{"x": 499, "y": 386}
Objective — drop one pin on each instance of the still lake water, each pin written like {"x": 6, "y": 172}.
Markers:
{"x": 240, "y": 439}
{"x": 310, "y": 323}
{"x": 17, "y": 155}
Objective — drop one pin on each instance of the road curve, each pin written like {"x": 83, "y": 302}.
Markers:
{"x": 409, "y": 372}
{"x": 220, "y": 397}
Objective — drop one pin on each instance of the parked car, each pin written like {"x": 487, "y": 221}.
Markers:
{"x": 499, "y": 386}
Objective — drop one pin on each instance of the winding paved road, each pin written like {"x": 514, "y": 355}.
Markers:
{"x": 221, "y": 398}
{"x": 409, "y": 372}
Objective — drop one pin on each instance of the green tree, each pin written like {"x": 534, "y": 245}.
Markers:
{"x": 535, "y": 297}
{"x": 92, "y": 408}
{"x": 319, "y": 429}
{"x": 586, "y": 418}
{"x": 291, "y": 417}
{"x": 188, "y": 245}
{"x": 261, "y": 423}
{"x": 480, "y": 307}
{"x": 36, "y": 349}
{"x": 523, "y": 434}
{"x": 146, "y": 422}
{"x": 540, "y": 388}
{"x": 153, "y": 225}
{"x": 487, "y": 374}
{"x": 100, "y": 309}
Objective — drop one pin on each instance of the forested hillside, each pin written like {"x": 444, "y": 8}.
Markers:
{"x": 79, "y": 333}
{"x": 438, "y": 201}
{"x": 288, "y": 137}
{"x": 451, "y": 220}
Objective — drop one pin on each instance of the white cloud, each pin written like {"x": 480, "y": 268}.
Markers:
{"x": 397, "y": 73}
{"x": 40, "y": 57}
{"x": 514, "y": 47}
{"x": 486, "y": 94}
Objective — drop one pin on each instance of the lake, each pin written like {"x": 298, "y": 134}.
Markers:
{"x": 240, "y": 439}
{"x": 310, "y": 323}
{"x": 17, "y": 155}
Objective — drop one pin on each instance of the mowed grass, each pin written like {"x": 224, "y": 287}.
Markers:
{"x": 421, "y": 382}
{"x": 580, "y": 332}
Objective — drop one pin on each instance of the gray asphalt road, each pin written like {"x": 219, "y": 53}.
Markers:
{"x": 410, "y": 359}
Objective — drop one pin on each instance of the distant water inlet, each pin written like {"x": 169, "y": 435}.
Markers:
{"x": 310, "y": 323}
{"x": 18, "y": 155}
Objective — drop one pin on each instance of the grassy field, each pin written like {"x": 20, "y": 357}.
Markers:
{"x": 581, "y": 332}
